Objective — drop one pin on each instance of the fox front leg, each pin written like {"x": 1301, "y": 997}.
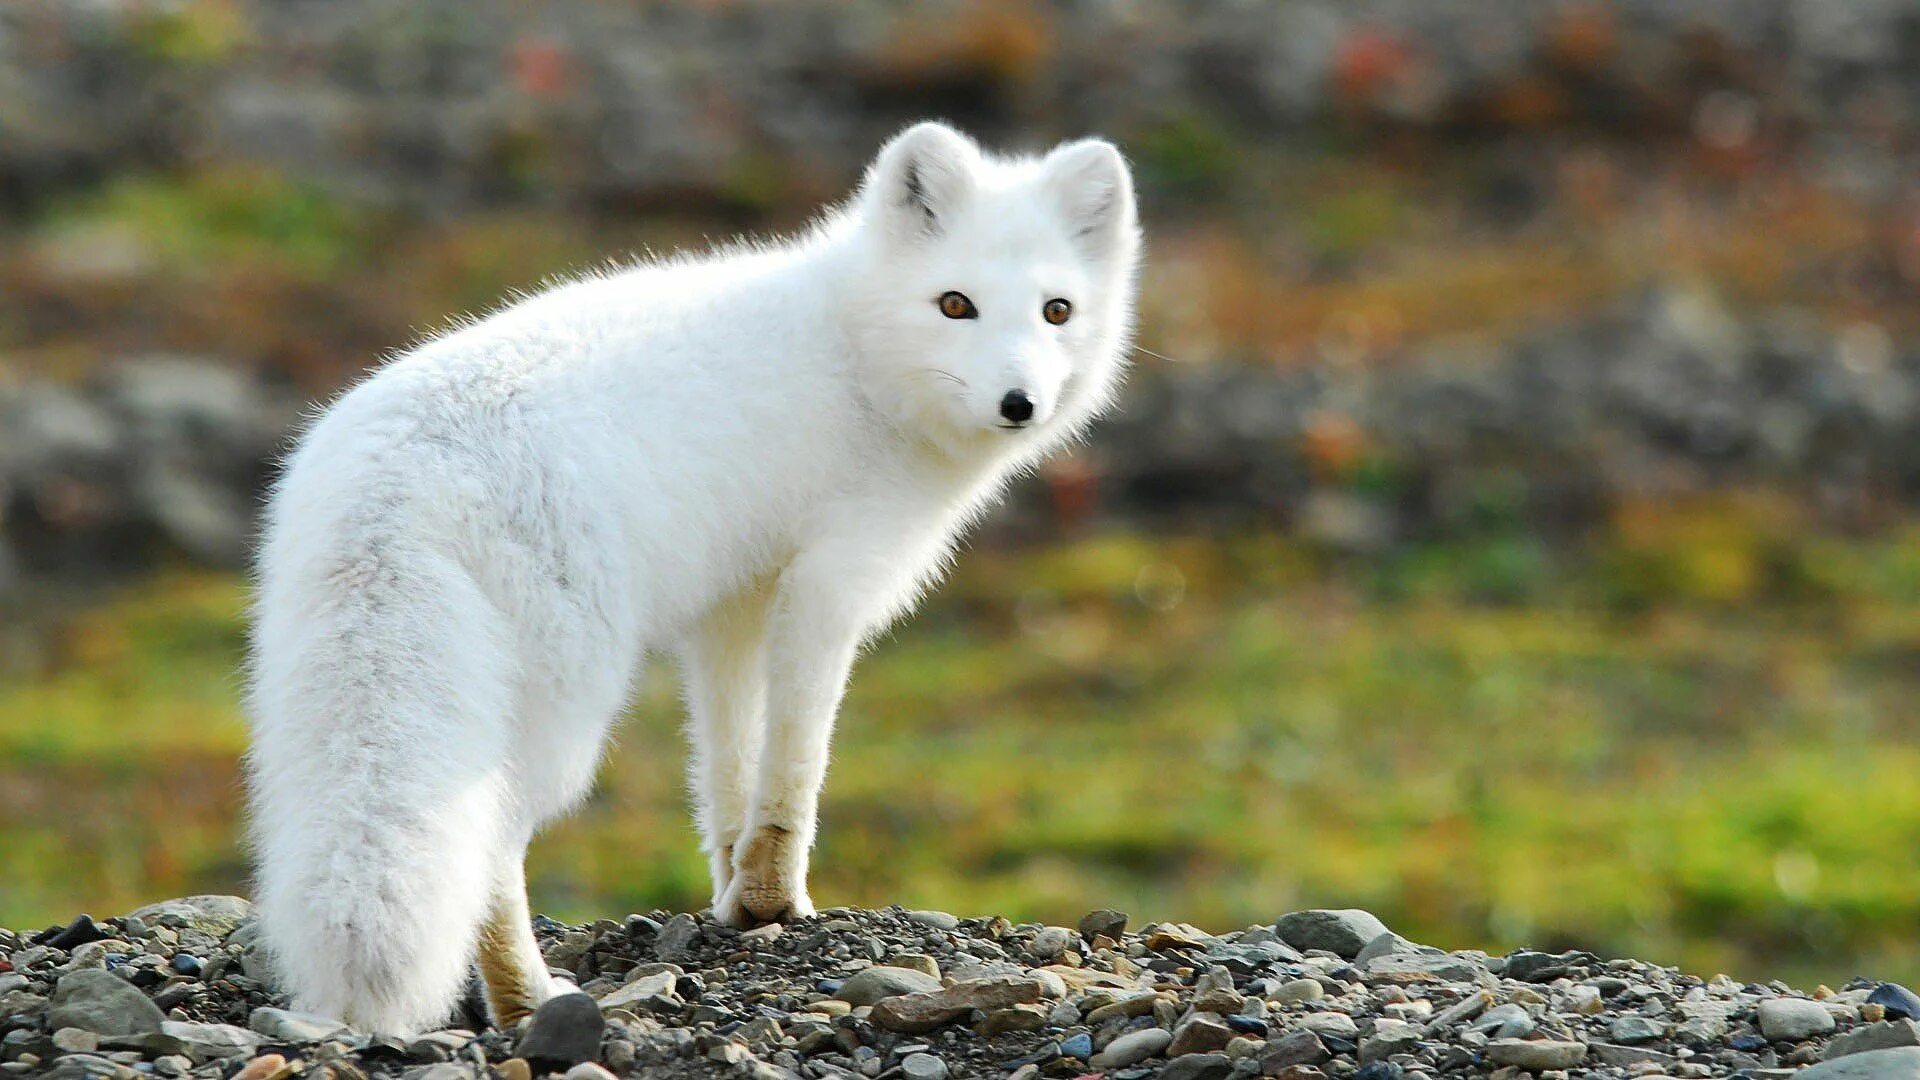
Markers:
{"x": 826, "y": 603}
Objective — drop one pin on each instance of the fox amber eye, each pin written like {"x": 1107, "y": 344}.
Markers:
{"x": 956, "y": 306}
{"x": 1057, "y": 311}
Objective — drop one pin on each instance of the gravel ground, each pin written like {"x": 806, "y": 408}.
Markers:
{"x": 177, "y": 989}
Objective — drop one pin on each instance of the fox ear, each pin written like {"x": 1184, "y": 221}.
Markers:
{"x": 1090, "y": 182}
{"x": 920, "y": 177}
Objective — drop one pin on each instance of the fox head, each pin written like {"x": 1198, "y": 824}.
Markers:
{"x": 995, "y": 294}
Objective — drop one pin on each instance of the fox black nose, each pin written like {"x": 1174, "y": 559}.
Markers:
{"x": 1017, "y": 406}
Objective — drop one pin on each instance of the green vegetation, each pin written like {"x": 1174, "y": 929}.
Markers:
{"x": 1693, "y": 743}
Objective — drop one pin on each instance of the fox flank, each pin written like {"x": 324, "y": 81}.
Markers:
{"x": 753, "y": 460}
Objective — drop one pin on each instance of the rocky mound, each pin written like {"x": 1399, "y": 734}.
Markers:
{"x": 177, "y": 989}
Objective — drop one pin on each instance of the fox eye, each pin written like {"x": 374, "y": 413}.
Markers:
{"x": 956, "y": 306}
{"x": 1057, "y": 311}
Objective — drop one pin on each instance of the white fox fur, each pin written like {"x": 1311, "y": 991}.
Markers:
{"x": 754, "y": 460}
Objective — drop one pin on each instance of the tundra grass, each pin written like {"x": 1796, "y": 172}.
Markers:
{"x": 1696, "y": 746}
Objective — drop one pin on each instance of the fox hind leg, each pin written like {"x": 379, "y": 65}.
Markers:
{"x": 512, "y": 971}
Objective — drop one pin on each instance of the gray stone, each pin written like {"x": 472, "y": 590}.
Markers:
{"x": 102, "y": 1003}
{"x": 206, "y": 1042}
{"x": 211, "y": 914}
{"x": 1202, "y": 1033}
{"x": 1459, "y": 1012}
{"x": 881, "y": 982}
{"x": 1049, "y": 943}
{"x": 924, "y": 1012}
{"x": 1507, "y": 1021}
{"x": 1892, "y": 1063}
{"x": 1899, "y": 1002}
{"x": 1105, "y": 921}
{"x": 283, "y": 1025}
{"x": 564, "y": 1030}
{"x": 1635, "y": 1029}
{"x": 1211, "y": 1066}
{"x": 1389, "y": 1037}
{"x": 676, "y": 937}
{"x": 631, "y": 995}
{"x": 1792, "y": 1019}
{"x": 1337, "y": 1024}
{"x": 1132, "y": 1048}
{"x": 923, "y": 1067}
{"x": 1342, "y": 932}
{"x": 1297, "y": 990}
{"x": 1536, "y": 1055}
{"x": 1408, "y": 968}
{"x": 1885, "y": 1035}
{"x": 1293, "y": 1048}
{"x": 1385, "y": 945}
{"x": 1623, "y": 1056}
{"x": 939, "y": 920}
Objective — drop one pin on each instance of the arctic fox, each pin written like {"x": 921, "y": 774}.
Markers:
{"x": 753, "y": 460}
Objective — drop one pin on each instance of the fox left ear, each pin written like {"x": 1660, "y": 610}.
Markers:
{"x": 1094, "y": 189}
{"x": 920, "y": 177}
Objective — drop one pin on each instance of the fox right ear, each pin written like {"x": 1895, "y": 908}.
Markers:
{"x": 919, "y": 178}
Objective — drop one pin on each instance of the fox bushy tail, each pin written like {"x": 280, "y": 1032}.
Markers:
{"x": 381, "y": 705}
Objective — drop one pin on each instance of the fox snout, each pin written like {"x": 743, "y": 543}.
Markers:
{"x": 1016, "y": 408}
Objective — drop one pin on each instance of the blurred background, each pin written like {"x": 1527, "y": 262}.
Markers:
{"x": 1517, "y": 534}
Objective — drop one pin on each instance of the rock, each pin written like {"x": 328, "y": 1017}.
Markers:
{"x": 1294, "y": 1048}
{"x": 920, "y": 962}
{"x": 1198, "y": 1067}
{"x": 1078, "y": 1046}
{"x": 1015, "y": 1018}
{"x": 1049, "y": 943}
{"x": 261, "y": 1067}
{"x": 1200, "y": 1034}
{"x": 1389, "y": 1037}
{"x": 281, "y": 1025}
{"x": 1536, "y": 1055}
{"x": 1899, "y": 1002}
{"x": 1793, "y": 1019}
{"x": 926, "y": 1011}
{"x": 1529, "y": 966}
{"x": 644, "y": 988}
{"x": 214, "y": 915}
{"x": 588, "y": 1070}
{"x": 1885, "y": 1035}
{"x": 103, "y": 1003}
{"x": 1103, "y": 921}
{"x": 1405, "y": 969}
{"x": 1507, "y": 1021}
{"x": 72, "y": 1040}
{"x": 878, "y": 983}
{"x": 1386, "y": 944}
{"x": 1623, "y": 1056}
{"x": 1132, "y": 1048}
{"x": 205, "y": 1042}
{"x": 1298, "y": 990}
{"x": 1342, "y": 932}
{"x": 1632, "y": 1030}
{"x": 1893, "y": 1063}
{"x": 922, "y": 1067}
{"x": 1337, "y": 1024}
{"x": 939, "y": 920}
{"x": 81, "y": 931}
{"x": 1467, "y": 1008}
{"x": 565, "y": 1030}
{"x": 514, "y": 1069}
{"x": 676, "y": 937}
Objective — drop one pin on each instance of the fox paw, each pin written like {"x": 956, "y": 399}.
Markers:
{"x": 768, "y": 883}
